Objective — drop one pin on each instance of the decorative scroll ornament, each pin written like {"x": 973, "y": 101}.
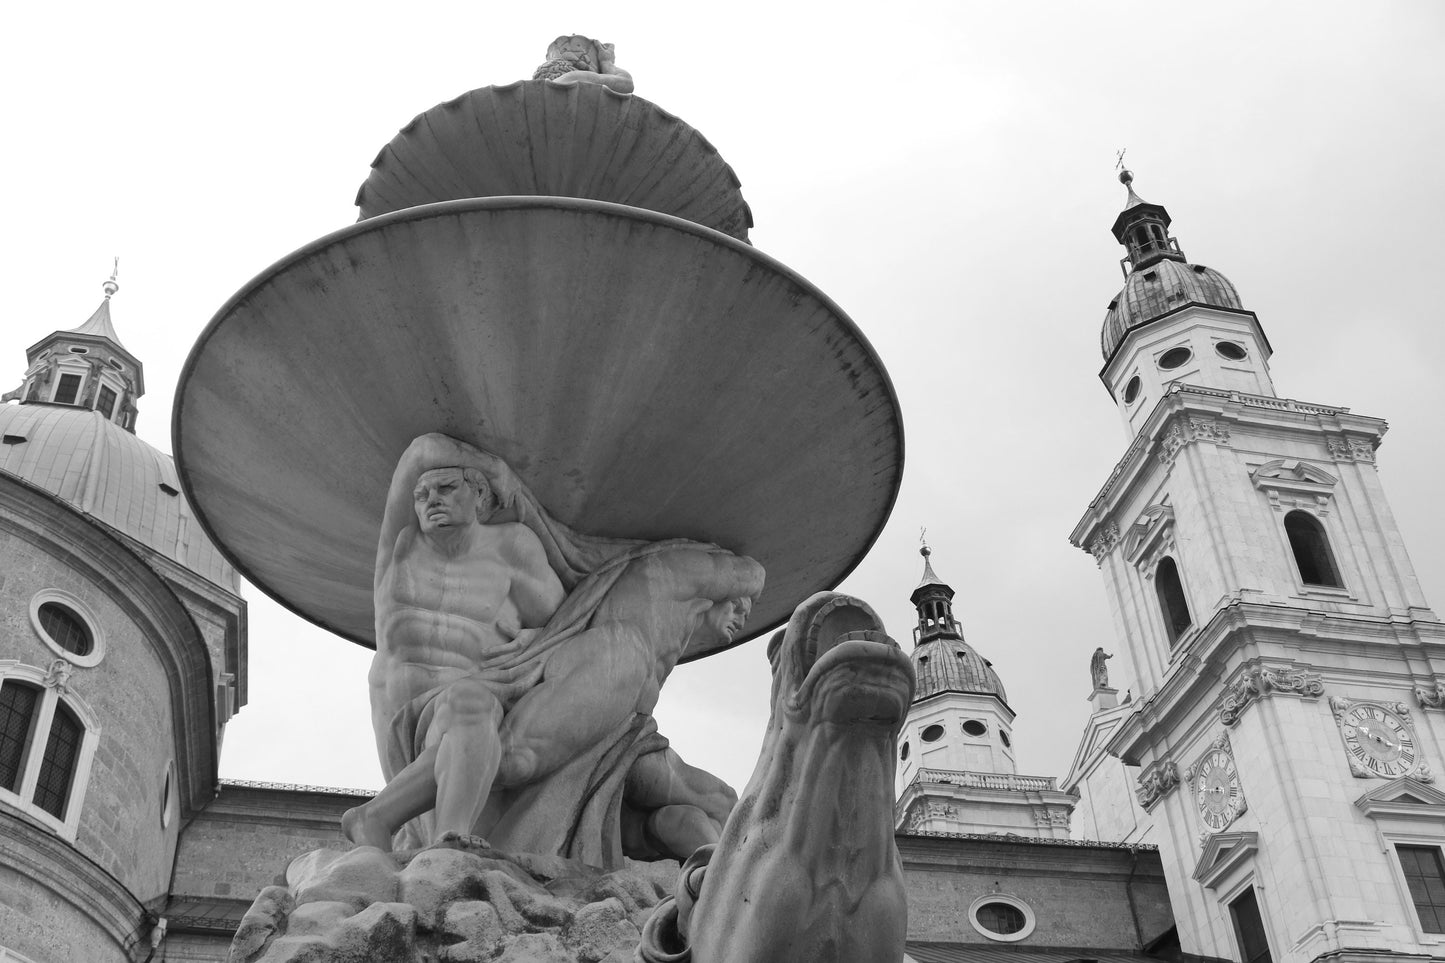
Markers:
{"x": 1258, "y": 681}
{"x": 1183, "y": 431}
{"x": 57, "y": 677}
{"x": 1379, "y": 740}
{"x": 1351, "y": 449}
{"x": 1157, "y": 782}
{"x": 1104, "y": 542}
{"x": 1431, "y": 698}
{"x": 931, "y": 810}
{"x": 1051, "y": 817}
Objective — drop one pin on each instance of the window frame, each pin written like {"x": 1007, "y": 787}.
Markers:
{"x": 1030, "y": 920}
{"x": 1328, "y": 545}
{"x": 78, "y": 608}
{"x": 1236, "y": 894}
{"x": 52, "y": 686}
{"x": 1413, "y": 823}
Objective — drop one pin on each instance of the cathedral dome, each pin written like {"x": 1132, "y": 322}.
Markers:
{"x": 951, "y": 665}
{"x": 107, "y": 473}
{"x": 1152, "y": 292}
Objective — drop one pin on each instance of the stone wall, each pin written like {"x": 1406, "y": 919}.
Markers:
{"x": 1093, "y": 896}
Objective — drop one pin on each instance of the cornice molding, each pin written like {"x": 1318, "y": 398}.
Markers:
{"x": 1232, "y": 410}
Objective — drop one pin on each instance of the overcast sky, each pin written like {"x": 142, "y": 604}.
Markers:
{"x": 943, "y": 171}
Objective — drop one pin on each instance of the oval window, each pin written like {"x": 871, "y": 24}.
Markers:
{"x": 80, "y": 351}
{"x": 1174, "y": 357}
{"x": 1131, "y": 390}
{"x": 933, "y": 733}
{"x": 1000, "y": 918}
{"x": 1004, "y": 736}
{"x": 903, "y": 753}
{"x": 1230, "y": 351}
{"x": 974, "y": 728}
{"x": 66, "y": 628}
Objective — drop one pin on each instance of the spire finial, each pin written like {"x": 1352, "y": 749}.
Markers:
{"x": 923, "y": 549}
{"x": 110, "y": 286}
{"x": 1126, "y": 177}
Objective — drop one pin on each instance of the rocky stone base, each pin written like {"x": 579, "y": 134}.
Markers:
{"x": 460, "y": 905}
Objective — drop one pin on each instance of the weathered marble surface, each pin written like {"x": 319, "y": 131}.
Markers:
{"x": 365, "y": 905}
{"x": 577, "y": 59}
{"x": 518, "y": 663}
{"x": 807, "y": 869}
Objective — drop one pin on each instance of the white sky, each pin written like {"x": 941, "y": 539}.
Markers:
{"x": 942, "y": 171}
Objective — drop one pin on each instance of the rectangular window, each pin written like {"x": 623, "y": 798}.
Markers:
{"x": 1249, "y": 928}
{"x": 57, "y": 767}
{"x": 105, "y": 403}
{"x": 68, "y": 389}
{"x": 1425, "y": 876}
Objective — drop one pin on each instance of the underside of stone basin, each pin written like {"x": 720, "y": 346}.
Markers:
{"x": 646, "y": 377}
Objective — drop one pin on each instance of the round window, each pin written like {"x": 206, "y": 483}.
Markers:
{"x": 903, "y": 753}
{"x": 1230, "y": 351}
{"x": 933, "y": 733}
{"x": 1004, "y": 736}
{"x": 1001, "y": 917}
{"x": 66, "y": 625}
{"x": 974, "y": 728}
{"x": 1131, "y": 390}
{"x": 1174, "y": 357}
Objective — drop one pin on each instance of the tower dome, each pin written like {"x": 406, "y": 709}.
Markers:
{"x": 1158, "y": 278}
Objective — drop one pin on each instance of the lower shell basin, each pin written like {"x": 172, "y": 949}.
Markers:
{"x": 646, "y": 377}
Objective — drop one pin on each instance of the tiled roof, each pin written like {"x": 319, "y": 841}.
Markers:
{"x": 111, "y": 475}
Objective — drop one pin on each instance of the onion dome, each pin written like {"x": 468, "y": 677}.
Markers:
{"x": 1158, "y": 278}
{"x": 942, "y": 660}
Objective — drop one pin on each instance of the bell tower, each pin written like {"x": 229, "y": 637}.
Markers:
{"x": 956, "y": 769}
{"x": 1288, "y": 674}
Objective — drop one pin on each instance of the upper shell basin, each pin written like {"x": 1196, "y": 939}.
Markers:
{"x": 536, "y": 137}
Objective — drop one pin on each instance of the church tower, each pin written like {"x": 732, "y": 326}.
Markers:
{"x": 1288, "y": 675}
{"x": 956, "y": 771}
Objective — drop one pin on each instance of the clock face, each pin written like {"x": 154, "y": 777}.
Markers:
{"x": 1216, "y": 786}
{"x": 1378, "y": 740}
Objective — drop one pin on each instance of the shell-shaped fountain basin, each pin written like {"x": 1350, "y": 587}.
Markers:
{"x": 646, "y": 377}
{"x": 536, "y": 137}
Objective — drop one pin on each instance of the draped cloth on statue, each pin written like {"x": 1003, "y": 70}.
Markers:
{"x": 574, "y": 811}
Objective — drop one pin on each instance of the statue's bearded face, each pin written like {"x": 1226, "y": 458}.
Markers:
{"x": 726, "y": 619}
{"x": 444, "y": 499}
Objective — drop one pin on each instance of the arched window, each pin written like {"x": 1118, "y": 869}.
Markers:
{"x": 46, "y": 742}
{"x": 1311, "y": 547}
{"x": 1171, "y": 599}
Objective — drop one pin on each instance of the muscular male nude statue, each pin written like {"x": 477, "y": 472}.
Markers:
{"x": 465, "y": 693}
{"x": 452, "y": 597}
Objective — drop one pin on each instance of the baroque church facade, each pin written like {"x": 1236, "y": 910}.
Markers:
{"x": 1266, "y": 792}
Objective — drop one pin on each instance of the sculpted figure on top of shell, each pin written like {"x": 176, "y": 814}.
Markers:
{"x": 577, "y": 59}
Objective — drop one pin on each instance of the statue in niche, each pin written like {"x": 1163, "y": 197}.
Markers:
{"x": 581, "y": 60}
{"x": 1098, "y": 669}
{"x": 517, "y": 666}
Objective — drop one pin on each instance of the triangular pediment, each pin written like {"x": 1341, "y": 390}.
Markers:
{"x": 1147, "y": 530}
{"x": 1403, "y": 797}
{"x": 1223, "y": 854}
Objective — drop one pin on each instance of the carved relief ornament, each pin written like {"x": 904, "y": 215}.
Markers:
{"x": 1182, "y": 431}
{"x": 1156, "y": 782}
{"x": 1351, "y": 449}
{"x": 1431, "y": 698}
{"x": 1103, "y": 542}
{"x": 1255, "y": 682}
{"x": 1289, "y": 483}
